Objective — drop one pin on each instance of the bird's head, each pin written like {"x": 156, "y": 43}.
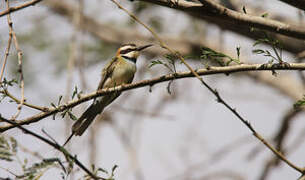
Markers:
{"x": 131, "y": 51}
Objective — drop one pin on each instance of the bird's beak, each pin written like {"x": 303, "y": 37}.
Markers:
{"x": 143, "y": 47}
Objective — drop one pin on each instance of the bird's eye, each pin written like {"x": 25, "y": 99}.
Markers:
{"x": 125, "y": 51}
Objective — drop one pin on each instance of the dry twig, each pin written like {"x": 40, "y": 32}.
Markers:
{"x": 13, "y": 9}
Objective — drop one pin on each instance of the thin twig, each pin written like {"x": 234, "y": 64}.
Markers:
{"x": 19, "y": 53}
{"x": 40, "y": 108}
{"x": 7, "y": 52}
{"x": 13, "y": 9}
{"x": 150, "y": 82}
{"x": 215, "y": 92}
{"x": 54, "y": 145}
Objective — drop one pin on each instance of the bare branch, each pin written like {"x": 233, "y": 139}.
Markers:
{"x": 13, "y": 9}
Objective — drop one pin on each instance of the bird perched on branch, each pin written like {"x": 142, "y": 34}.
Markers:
{"x": 120, "y": 70}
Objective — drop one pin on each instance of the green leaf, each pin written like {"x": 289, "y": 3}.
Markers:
{"x": 72, "y": 116}
{"x": 218, "y": 56}
{"x": 59, "y": 100}
{"x": 53, "y": 105}
{"x": 114, "y": 168}
{"x": 102, "y": 170}
{"x": 299, "y": 103}
{"x": 264, "y": 15}
{"x": 261, "y": 41}
{"x": 155, "y": 62}
{"x": 13, "y": 144}
{"x": 74, "y": 92}
{"x": 258, "y": 51}
{"x": 6, "y": 82}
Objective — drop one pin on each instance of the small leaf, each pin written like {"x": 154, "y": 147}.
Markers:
{"x": 238, "y": 51}
{"x": 53, "y": 105}
{"x": 153, "y": 63}
{"x": 102, "y": 170}
{"x": 299, "y": 103}
{"x": 258, "y": 51}
{"x": 59, "y": 99}
{"x": 74, "y": 92}
{"x": 113, "y": 169}
{"x": 13, "y": 144}
{"x": 10, "y": 82}
{"x": 72, "y": 116}
{"x": 264, "y": 15}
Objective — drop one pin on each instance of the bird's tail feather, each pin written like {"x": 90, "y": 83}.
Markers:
{"x": 87, "y": 118}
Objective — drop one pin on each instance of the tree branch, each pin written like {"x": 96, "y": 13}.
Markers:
{"x": 300, "y": 4}
{"x": 151, "y": 82}
{"x": 238, "y": 22}
{"x": 17, "y": 8}
{"x": 53, "y": 144}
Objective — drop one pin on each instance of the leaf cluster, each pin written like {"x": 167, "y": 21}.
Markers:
{"x": 104, "y": 171}
{"x": 221, "y": 58}
{"x": 169, "y": 64}
{"x": 38, "y": 169}
{"x": 274, "y": 43}
{"x": 8, "y": 148}
{"x": 8, "y": 152}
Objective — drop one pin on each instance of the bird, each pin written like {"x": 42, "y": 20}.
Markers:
{"x": 120, "y": 70}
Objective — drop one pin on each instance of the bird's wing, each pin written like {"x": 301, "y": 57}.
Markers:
{"x": 107, "y": 72}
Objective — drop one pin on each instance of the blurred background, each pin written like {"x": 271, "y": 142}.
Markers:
{"x": 168, "y": 131}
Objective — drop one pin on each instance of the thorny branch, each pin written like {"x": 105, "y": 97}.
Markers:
{"x": 214, "y": 91}
{"x": 150, "y": 82}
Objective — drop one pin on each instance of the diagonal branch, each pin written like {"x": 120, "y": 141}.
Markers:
{"x": 215, "y": 92}
{"x": 54, "y": 145}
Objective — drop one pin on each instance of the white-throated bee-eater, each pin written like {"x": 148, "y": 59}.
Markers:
{"x": 120, "y": 70}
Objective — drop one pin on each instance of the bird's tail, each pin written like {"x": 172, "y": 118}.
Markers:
{"x": 86, "y": 119}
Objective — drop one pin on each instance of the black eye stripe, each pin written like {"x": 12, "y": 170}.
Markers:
{"x": 130, "y": 59}
{"x": 125, "y": 51}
